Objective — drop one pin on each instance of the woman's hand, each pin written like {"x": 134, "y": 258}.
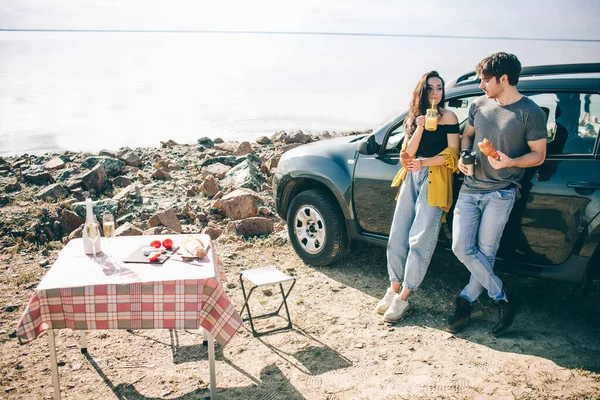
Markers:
{"x": 420, "y": 121}
{"x": 415, "y": 164}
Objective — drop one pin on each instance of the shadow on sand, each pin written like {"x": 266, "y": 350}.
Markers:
{"x": 556, "y": 321}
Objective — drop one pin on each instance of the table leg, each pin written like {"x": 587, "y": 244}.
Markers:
{"x": 82, "y": 342}
{"x": 54, "y": 365}
{"x": 211, "y": 366}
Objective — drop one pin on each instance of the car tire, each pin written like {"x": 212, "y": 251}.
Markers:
{"x": 316, "y": 227}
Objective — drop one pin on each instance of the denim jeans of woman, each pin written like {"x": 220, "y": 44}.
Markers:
{"x": 414, "y": 232}
{"x": 479, "y": 220}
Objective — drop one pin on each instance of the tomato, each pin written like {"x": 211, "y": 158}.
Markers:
{"x": 155, "y": 243}
{"x": 153, "y": 256}
{"x": 167, "y": 243}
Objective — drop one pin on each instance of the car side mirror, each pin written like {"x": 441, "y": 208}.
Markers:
{"x": 368, "y": 146}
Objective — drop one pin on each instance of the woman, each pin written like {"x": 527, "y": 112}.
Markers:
{"x": 429, "y": 158}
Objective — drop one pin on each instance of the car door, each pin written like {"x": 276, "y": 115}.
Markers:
{"x": 560, "y": 197}
{"x": 374, "y": 198}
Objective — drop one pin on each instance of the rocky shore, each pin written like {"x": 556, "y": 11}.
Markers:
{"x": 214, "y": 187}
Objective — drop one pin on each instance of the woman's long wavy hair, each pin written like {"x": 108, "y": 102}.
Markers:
{"x": 419, "y": 102}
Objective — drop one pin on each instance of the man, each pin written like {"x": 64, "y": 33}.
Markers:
{"x": 516, "y": 127}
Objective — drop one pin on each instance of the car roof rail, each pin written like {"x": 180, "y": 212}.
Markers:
{"x": 557, "y": 69}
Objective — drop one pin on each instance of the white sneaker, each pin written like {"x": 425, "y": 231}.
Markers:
{"x": 384, "y": 303}
{"x": 397, "y": 310}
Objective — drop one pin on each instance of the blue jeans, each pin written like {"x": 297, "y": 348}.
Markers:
{"x": 414, "y": 232}
{"x": 479, "y": 220}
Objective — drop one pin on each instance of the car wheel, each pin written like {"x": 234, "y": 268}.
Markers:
{"x": 316, "y": 227}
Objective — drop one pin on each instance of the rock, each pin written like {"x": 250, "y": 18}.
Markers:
{"x": 297, "y": 137}
{"x": 125, "y": 218}
{"x": 128, "y": 229}
{"x": 54, "y": 164}
{"x": 37, "y": 176}
{"x": 53, "y": 192}
{"x": 243, "y": 149}
{"x": 210, "y": 186}
{"x": 121, "y": 181}
{"x": 12, "y": 187}
{"x": 4, "y": 200}
{"x": 229, "y": 147}
{"x": 99, "y": 208}
{"x": 264, "y": 211}
{"x": 201, "y": 216}
{"x": 206, "y": 142}
{"x": 162, "y": 175}
{"x": 77, "y": 233}
{"x": 168, "y": 143}
{"x": 129, "y": 169}
{"x": 70, "y": 221}
{"x": 4, "y": 165}
{"x": 240, "y": 204}
{"x": 290, "y": 146}
{"x": 126, "y": 193}
{"x": 113, "y": 166}
{"x": 69, "y": 181}
{"x": 267, "y": 292}
{"x": 213, "y": 230}
{"x": 218, "y": 140}
{"x": 217, "y": 169}
{"x": 279, "y": 137}
{"x": 129, "y": 157}
{"x": 250, "y": 227}
{"x": 272, "y": 163}
{"x": 95, "y": 178}
{"x": 167, "y": 218}
{"x": 263, "y": 140}
{"x": 157, "y": 230}
{"x": 245, "y": 175}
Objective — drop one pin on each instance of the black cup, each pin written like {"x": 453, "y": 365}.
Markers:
{"x": 468, "y": 159}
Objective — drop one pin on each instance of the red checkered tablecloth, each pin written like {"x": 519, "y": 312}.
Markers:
{"x": 80, "y": 294}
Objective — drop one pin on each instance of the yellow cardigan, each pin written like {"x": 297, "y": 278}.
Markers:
{"x": 440, "y": 180}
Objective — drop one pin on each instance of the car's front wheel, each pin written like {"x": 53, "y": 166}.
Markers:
{"x": 316, "y": 227}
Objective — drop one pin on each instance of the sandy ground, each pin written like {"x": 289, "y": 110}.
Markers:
{"x": 338, "y": 348}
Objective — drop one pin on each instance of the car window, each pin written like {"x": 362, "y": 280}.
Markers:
{"x": 572, "y": 121}
{"x": 460, "y": 107}
{"x": 394, "y": 140}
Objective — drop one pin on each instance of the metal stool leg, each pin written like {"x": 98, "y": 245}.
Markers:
{"x": 246, "y": 305}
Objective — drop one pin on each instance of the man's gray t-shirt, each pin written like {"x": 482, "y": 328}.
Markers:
{"x": 509, "y": 128}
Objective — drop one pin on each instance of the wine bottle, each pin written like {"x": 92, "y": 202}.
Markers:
{"x": 90, "y": 219}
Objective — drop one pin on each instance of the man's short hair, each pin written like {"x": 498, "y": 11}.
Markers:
{"x": 499, "y": 64}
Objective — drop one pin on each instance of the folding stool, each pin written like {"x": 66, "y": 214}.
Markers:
{"x": 262, "y": 277}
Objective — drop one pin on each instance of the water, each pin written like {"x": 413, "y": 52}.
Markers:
{"x": 93, "y": 90}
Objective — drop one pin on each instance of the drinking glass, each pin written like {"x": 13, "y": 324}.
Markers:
{"x": 431, "y": 119}
{"x": 93, "y": 234}
{"x": 108, "y": 225}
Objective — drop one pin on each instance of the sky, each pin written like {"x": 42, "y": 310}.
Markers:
{"x": 573, "y": 19}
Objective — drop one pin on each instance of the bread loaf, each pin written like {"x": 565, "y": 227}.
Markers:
{"x": 488, "y": 149}
{"x": 194, "y": 246}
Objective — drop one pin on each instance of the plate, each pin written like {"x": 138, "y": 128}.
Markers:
{"x": 138, "y": 256}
